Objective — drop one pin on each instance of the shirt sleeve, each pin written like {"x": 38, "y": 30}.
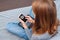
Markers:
{"x": 29, "y": 33}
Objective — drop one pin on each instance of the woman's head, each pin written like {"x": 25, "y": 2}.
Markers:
{"x": 45, "y": 16}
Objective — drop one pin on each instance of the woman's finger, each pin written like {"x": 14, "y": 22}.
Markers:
{"x": 27, "y": 16}
{"x": 21, "y": 20}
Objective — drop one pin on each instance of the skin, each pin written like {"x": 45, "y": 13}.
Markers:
{"x": 29, "y": 19}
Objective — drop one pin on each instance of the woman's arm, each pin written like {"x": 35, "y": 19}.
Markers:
{"x": 29, "y": 34}
{"x": 26, "y": 29}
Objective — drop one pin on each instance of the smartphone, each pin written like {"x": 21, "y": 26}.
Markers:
{"x": 23, "y": 17}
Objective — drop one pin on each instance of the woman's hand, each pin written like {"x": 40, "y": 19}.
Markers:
{"x": 23, "y": 23}
{"x": 29, "y": 19}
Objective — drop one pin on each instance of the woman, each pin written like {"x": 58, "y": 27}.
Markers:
{"x": 45, "y": 24}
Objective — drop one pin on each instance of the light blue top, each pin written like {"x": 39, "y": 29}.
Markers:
{"x": 45, "y": 36}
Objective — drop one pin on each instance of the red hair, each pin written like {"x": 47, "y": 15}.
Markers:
{"x": 45, "y": 16}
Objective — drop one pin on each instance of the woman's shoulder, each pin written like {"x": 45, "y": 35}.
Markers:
{"x": 44, "y": 36}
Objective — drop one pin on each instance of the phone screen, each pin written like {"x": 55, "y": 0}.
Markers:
{"x": 22, "y": 17}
